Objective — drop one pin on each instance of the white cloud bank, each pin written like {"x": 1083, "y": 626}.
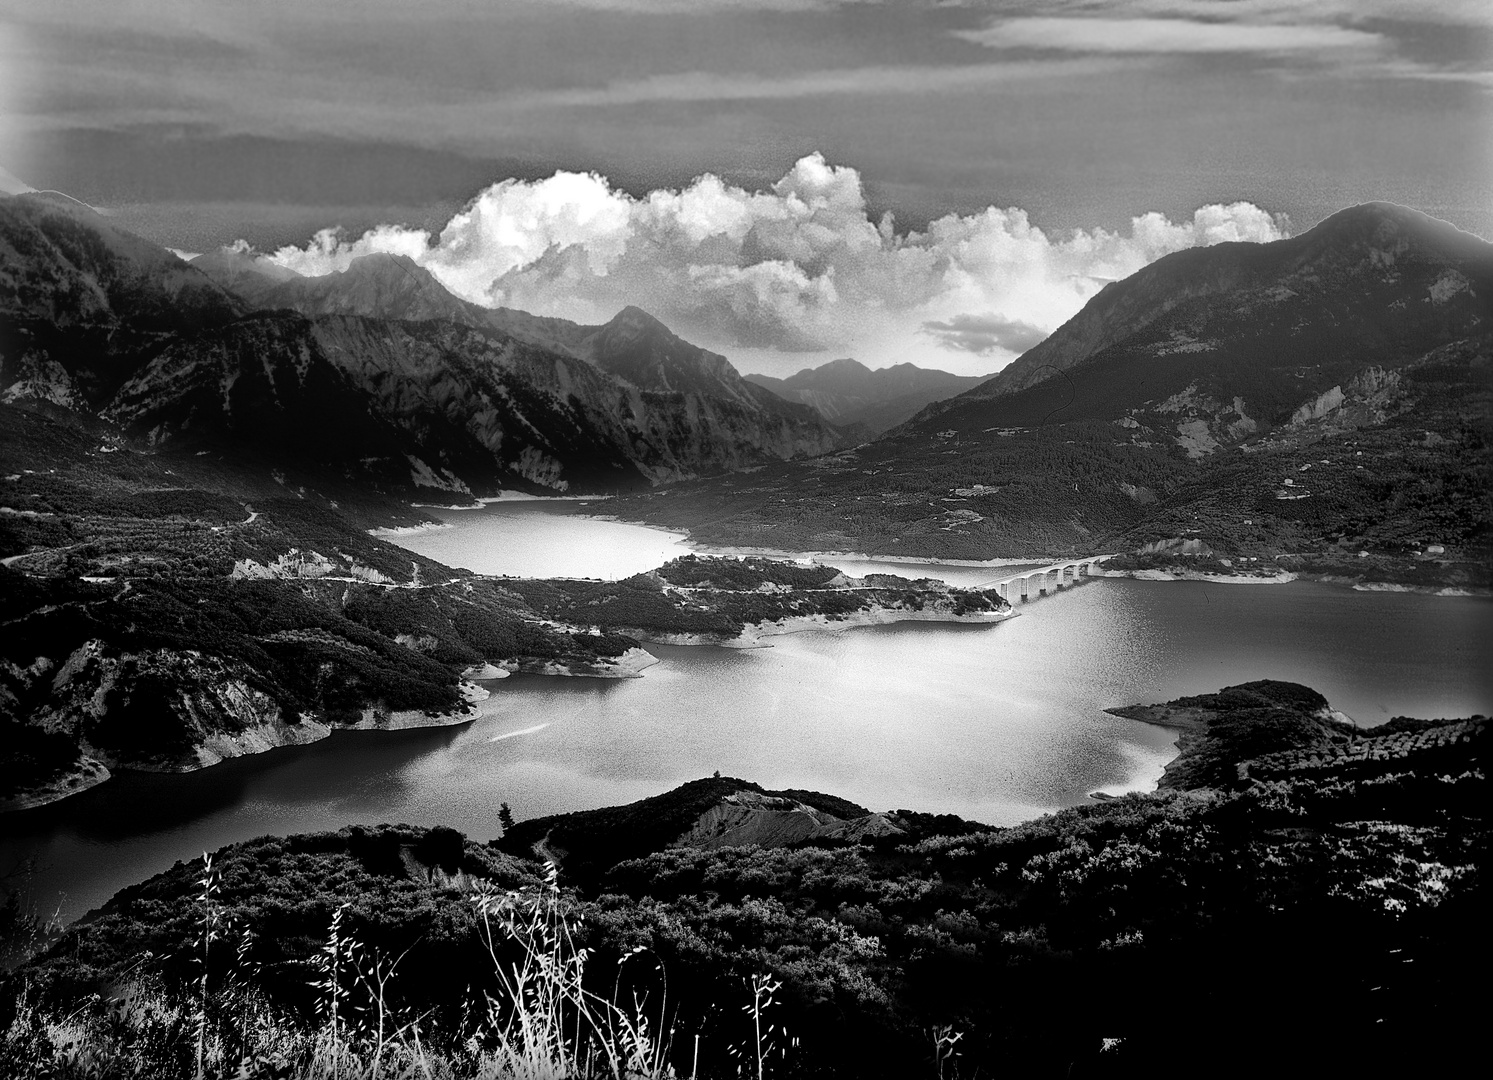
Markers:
{"x": 800, "y": 268}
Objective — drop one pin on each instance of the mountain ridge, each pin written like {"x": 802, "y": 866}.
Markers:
{"x": 432, "y": 391}
{"x": 849, "y": 394}
{"x": 1170, "y": 306}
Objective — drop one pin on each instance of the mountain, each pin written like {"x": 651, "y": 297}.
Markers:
{"x": 847, "y": 393}
{"x": 380, "y": 286}
{"x": 436, "y": 403}
{"x": 634, "y": 346}
{"x": 377, "y": 371}
{"x": 1282, "y": 407}
{"x": 244, "y": 273}
{"x": 82, "y": 304}
{"x": 1210, "y": 346}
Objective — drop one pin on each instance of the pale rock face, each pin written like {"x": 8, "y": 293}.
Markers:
{"x": 1204, "y": 424}
{"x": 39, "y": 378}
{"x": 1318, "y": 408}
{"x": 1448, "y": 285}
{"x": 1366, "y": 399}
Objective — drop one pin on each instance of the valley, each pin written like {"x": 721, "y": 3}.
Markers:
{"x": 216, "y": 485}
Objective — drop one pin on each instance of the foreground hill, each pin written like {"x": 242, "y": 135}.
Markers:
{"x": 1316, "y": 905}
{"x": 852, "y": 396}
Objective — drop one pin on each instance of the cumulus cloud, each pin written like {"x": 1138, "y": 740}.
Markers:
{"x": 799, "y": 267}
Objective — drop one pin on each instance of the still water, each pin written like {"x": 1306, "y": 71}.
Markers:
{"x": 995, "y": 722}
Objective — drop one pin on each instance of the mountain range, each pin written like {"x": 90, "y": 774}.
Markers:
{"x": 375, "y": 372}
{"x": 1187, "y": 399}
{"x": 1306, "y": 399}
{"x": 866, "y": 402}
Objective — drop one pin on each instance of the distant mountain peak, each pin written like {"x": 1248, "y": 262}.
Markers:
{"x": 637, "y": 320}
{"x": 863, "y": 400}
{"x": 1387, "y": 225}
{"x": 844, "y": 366}
{"x": 382, "y": 261}
{"x": 228, "y": 265}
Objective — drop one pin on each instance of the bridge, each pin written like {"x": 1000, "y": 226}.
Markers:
{"x": 1030, "y": 584}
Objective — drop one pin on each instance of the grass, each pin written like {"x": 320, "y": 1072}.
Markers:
{"x": 543, "y": 1020}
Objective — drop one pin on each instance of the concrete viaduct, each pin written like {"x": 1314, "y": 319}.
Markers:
{"x": 1030, "y": 584}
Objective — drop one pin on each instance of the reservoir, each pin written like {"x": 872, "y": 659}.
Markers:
{"x": 996, "y": 722}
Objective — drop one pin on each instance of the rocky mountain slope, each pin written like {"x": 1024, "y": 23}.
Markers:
{"x": 390, "y": 377}
{"x": 1290, "y": 405}
{"x": 695, "y": 412}
{"x": 441, "y": 405}
{"x": 1211, "y": 346}
{"x": 851, "y": 395}
{"x": 82, "y": 304}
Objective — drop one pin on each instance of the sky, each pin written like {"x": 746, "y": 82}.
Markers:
{"x": 784, "y": 181}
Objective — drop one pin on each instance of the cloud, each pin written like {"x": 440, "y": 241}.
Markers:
{"x": 799, "y": 267}
{"x": 984, "y": 334}
{"x": 899, "y": 79}
{"x": 1157, "y": 35}
{"x": 1355, "y": 38}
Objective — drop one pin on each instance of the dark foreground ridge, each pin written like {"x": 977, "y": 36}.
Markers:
{"x": 1302, "y": 898}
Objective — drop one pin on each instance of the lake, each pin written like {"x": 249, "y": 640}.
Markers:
{"x": 993, "y": 722}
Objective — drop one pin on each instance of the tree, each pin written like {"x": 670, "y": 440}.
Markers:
{"x": 505, "y": 817}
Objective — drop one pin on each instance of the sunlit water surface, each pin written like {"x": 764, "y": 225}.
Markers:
{"x": 994, "y": 722}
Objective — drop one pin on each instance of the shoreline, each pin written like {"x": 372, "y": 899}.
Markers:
{"x": 685, "y": 537}
{"x": 1285, "y": 577}
{"x": 735, "y": 550}
{"x": 260, "y": 738}
{"x": 751, "y": 634}
{"x": 253, "y": 740}
{"x": 1282, "y": 577}
{"x": 274, "y": 734}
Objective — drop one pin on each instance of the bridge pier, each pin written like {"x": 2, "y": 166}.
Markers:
{"x": 1034, "y": 583}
